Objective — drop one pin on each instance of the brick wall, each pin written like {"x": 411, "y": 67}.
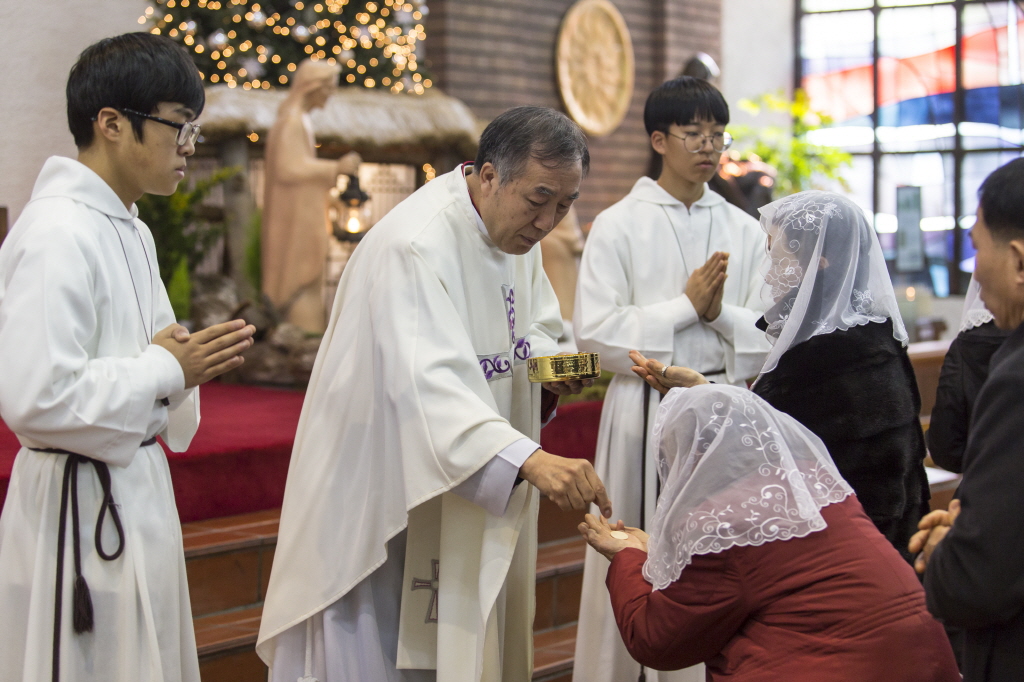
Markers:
{"x": 496, "y": 54}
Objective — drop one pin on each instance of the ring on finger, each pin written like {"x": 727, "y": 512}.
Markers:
{"x": 664, "y": 368}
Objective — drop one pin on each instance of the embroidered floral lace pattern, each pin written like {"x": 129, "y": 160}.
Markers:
{"x": 784, "y": 275}
{"x": 809, "y": 213}
{"x": 780, "y": 485}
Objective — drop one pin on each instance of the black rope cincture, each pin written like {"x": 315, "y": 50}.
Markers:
{"x": 83, "y": 618}
{"x": 643, "y": 483}
{"x": 81, "y": 600}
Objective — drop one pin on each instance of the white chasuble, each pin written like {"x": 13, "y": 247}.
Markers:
{"x": 80, "y": 298}
{"x": 419, "y": 383}
{"x": 630, "y": 295}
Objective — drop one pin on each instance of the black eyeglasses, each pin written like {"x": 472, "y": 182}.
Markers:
{"x": 188, "y": 132}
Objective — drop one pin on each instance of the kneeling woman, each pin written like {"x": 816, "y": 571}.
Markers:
{"x": 760, "y": 561}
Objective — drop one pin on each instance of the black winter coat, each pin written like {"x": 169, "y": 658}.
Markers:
{"x": 963, "y": 372}
{"x": 975, "y": 578}
{"x": 855, "y": 390}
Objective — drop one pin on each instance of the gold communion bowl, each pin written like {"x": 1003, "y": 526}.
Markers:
{"x": 564, "y": 367}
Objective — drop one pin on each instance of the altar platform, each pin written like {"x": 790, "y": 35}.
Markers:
{"x": 238, "y": 460}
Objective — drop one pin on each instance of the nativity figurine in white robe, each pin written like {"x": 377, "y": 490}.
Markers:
{"x": 295, "y": 229}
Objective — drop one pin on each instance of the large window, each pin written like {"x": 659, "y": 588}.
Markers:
{"x": 925, "y": 95}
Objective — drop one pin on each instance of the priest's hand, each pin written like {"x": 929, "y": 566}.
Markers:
{"x": 598, "y": 534}
{"x": 933, "y": 528}
{"x": 663, "y": 377}
{"x": 567, "y": 387}
{"x": 701, "y": 286}
{"x": 569, "y": 483}
{"x": 207, "y": 353}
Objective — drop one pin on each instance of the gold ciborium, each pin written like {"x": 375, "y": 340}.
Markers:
{"x": 564, "y": 367}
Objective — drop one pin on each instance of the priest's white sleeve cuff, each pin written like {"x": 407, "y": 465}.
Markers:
{"x": 491, "y": 486}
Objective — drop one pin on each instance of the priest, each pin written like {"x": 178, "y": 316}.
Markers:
{"x": 407, "y": 546}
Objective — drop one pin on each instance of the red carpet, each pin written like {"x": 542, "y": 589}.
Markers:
{"x": 238, "y": 461}
{"x": 573, "y": 431}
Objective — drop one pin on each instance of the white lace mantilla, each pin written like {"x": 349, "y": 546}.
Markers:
{"x": 825, "y": 272}
{"x": 736, "y": 472}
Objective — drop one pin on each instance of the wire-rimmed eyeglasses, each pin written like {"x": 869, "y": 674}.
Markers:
{"x": 694, "y": 142}
{"x": 188, "y": 132}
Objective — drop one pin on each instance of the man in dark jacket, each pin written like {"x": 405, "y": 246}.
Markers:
{"x": 973, "y": 556}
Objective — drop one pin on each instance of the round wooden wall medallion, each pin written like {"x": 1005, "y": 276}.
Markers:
{"x": 595, "y": 65}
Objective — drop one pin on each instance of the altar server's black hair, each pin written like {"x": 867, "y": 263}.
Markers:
{"x": 130, "y": 71}
{"x": 1001, "y": 198}
{"x": 522, "y": 133}
{"x": 682, "y": 101}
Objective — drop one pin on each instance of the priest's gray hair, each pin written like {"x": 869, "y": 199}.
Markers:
{"x": 521, "y": 133}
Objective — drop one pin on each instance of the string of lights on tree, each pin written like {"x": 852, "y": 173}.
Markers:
{"x": 259, "y": 43}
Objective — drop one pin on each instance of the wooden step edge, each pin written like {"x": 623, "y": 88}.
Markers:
{"x": 560, "y": 557}
{"x": 226, "y": 546}
{"x": 553, "y": 651}
{"x": 230, "y": 533}
{"x": 227, "y": 631}
{"x": 238, "y": 630}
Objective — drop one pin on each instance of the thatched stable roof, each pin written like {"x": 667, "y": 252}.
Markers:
{"x": 354, "y": 118}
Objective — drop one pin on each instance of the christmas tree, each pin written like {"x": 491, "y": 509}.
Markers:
{"x": 259, "y": 43}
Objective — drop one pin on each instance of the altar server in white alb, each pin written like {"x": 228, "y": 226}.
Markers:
{"x": 672, "y": 270}
{"x": 92, "y": 368}
{"x": 407, "y": 548}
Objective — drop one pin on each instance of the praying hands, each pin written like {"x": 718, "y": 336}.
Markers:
{"x": 209, "y": 352}
{"x": 706, "y": 285}
{"x": 664, "y": 377}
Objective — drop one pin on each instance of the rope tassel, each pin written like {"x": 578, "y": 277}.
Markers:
{"x": 81, "y": 599}
{"x": 82, "y": 615}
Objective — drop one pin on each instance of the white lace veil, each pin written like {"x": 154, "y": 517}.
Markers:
{"x": 975, "y": 313}
{"x": 734, "y": 472}
{"x": 826, "y": 271}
